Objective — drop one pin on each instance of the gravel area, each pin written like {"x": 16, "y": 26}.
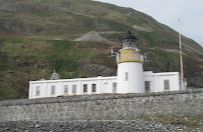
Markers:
{"x": 90, "y": 126}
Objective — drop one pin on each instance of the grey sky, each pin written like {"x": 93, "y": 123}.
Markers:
{"x": 168, "y": 11}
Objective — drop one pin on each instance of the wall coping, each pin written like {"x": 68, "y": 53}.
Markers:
{"x": 79, "y": 98}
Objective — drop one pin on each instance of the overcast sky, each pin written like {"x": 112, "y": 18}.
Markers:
{"x": 167, "y": 12}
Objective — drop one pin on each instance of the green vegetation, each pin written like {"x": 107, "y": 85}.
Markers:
{"x": 164, "y": 61}
{"x": 37, "y": 36}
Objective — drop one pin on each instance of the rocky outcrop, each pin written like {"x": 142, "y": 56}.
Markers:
{"x": 94, "y": 37}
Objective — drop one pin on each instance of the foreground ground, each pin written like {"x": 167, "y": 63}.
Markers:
{"x": 140, "y": 124}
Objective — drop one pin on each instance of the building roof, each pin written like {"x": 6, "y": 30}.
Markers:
{"x": 75, "y": 79}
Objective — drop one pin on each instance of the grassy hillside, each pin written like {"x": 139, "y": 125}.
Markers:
{"x": 37, "y": 36}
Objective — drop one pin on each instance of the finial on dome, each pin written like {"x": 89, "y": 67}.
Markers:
{"x": 55, "y": 76}
{"x": 130, "y": 37}
{"x": 129, "y": 32}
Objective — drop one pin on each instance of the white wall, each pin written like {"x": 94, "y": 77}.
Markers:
{"x": 157, "y": 81}
{"x": 135, "y": 79}
{"x": 103, "y": 85}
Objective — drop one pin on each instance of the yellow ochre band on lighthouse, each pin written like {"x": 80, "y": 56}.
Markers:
{"x": 130, "y": 55}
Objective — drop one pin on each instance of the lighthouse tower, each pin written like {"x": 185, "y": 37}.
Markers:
{"x": 130, "y": 77}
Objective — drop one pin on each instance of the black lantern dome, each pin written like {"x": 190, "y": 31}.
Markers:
{"x": 129, "y": 40}
{"x": 130, "y": 37}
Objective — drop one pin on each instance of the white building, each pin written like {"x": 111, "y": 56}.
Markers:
{"x": 130, "y": 78}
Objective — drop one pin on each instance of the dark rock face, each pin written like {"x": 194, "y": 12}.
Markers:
{"x": 90, "y": 126}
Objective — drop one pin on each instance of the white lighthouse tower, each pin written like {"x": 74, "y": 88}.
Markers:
{"x": 130, "y": 77}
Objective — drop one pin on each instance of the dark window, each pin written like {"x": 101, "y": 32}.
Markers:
{"x": 74, "y": 89}
{"x": 37, "y": 91}
{"x": 65, "y": 89}
{"x": 85, "y": 88}
{"x": 166, "y": 85}
{"x": 114, "y": 85}
{"x": 52, "y": 90}
{"x": 94, "y": 87}
{"x": 126, "y": 76}
{"x": 147, "y": 85}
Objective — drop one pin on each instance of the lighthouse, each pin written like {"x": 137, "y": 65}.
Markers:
{"x": 130, "y": 76}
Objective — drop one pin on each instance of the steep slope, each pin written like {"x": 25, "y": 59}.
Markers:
{"x": 38, "y": 36}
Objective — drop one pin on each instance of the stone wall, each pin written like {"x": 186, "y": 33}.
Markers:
{"x": 103, "y": 107}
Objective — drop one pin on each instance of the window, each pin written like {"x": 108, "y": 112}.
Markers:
{"x": 52, "y": 90}
{"x": 94, "y": 87}
{"x": 126, "y": 76}
{"x": 147, "y": 85}
{"x": 166, "y": 85}
{"x": 37, "y": 92}
{"x": 74, "y": 89}
{"x": 85, "y": 88}
{"x": 65, "y": 89}
{"x": 114, "y": 85}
